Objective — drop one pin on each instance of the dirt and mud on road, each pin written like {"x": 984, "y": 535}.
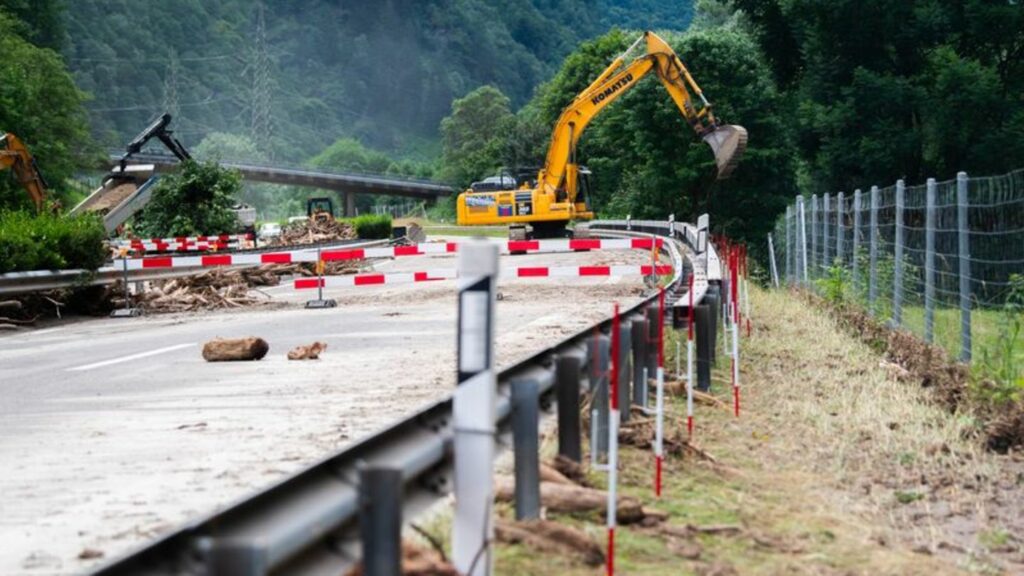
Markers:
{"x": 116, "y": 431}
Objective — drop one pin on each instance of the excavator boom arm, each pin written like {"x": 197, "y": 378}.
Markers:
{"x": 727, "y": 142}
{"x": 15, "y": 155}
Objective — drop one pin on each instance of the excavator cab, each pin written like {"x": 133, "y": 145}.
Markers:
{"x": 321, "y": 205}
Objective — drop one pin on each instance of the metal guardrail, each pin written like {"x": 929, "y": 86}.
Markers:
{"x": 307, "y": 523}
{"x": 14, "y": 283}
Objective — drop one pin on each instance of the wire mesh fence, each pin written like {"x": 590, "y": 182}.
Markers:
{"x": 939, "y": 259}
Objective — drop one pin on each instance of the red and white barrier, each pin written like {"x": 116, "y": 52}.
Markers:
{"x": 373, "y": 279}
{"x": 186, "y": 239}
{"x": 176, "y": 246}
{"x": 309, "y": 254}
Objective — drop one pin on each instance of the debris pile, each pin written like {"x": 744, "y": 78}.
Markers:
{"x": 319, "y": 228}
{"x": 217, "y": 288}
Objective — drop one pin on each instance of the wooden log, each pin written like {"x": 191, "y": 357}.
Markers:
{"x": 550, "y": 537}
{"x": 235, "y": 349}
{"x": 573, "y": 499}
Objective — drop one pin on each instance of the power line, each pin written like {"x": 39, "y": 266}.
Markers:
{"x": 261, "y": 97}
{"x": 171, "y": 88}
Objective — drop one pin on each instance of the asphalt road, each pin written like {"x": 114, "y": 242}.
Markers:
{"x": 113, "y": 431}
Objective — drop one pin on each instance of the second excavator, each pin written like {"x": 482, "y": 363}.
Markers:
{"x": 543, "y": 206}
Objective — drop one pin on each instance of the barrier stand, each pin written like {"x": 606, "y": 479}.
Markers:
{"x": 613, "y": 441}
{"x": 734, "y": 273}
{"x": 689, "y": 364}
{"x": 474, "y": 411}
{"x": 660, "y": 398}
{"x": 320, "y": 267}
{"x": 127, "y": 311}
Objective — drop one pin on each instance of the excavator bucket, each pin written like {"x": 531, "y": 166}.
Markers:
{"x": 729, "y": 142}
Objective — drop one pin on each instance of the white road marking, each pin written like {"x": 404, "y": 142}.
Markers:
{"x": 130, "y": 357}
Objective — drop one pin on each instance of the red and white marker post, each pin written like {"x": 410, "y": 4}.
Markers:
{"x": 734, "y": 275}
{"x": 689, "y": 365}
{"x": 659, "y": 429}
{"x": 613, "y": 442}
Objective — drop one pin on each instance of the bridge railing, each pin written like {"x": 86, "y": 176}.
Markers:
{"x": 294, "y": 166}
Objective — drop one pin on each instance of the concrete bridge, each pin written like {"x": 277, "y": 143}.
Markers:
{"x": 348, "y": 183}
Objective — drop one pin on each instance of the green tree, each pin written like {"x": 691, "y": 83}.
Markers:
{"x": 197, "y": 199}
{"x": 472, "y": 135}
{"x": 40, "y": 103}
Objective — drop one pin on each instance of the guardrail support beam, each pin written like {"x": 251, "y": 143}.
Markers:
{"x": 704, "y": 318}
{"x": 639, "y": 337}
{"x": 568, "y": 382}
{"x": 625, "y": 338}
{"x": 380, "y": 520}
{"x": 526, "y": 447}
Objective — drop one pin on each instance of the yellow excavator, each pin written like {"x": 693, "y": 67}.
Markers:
{"x": 542, "y": 207}
{"x": 14, "y": 155}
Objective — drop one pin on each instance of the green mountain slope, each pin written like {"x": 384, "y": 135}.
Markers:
{"x": 384, "y": 72}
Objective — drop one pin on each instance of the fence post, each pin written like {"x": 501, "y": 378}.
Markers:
{"x": 897, "y": 276}
{"x": 526, "y": 448}
{"x": 963, "y": 227}
{"x": 803, "y": 239}
{"x": 840, "y": 210}
{"x": 474, "y": 410}
{"x": 929, "y": 262}
{"x": 789, "y": 244}
{"x": 826, "y": 206}
{"x": 380, "y": 520}
{"x": 873, "y": 232}
{"x": 771, "y": 261}
{"x": 855, "y": 278}
{"x": 814, "y": 234}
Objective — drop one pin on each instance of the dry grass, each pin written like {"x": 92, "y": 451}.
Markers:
{"x": 835, "y": 467}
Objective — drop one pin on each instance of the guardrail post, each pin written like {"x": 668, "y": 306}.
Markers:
{"x": 526, "y": 447}
{"x": 855, "y": 261}
{"x": 654, "y": 323}
{"x": 474, "y": 410}
{"x": 826, "y": 207}
{"x": 704, "y": 317}
{"x": 964, "y": 245}
{"x": 599, "y": 361}
{"x": 929, "y": 262}
{"x": 625, "y": 338}
{"x": 814, "y": 235}
{"x": 897, "y": 277}
{"x": 380, "y": 520}
{"x": 639, "y": 337}
{"x": 840, "y": 210}
{"x": 873, "y": 231}
{"x": 567, "y": 373}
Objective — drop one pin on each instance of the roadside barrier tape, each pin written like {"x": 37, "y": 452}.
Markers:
{"x": 176, "y": 247}
{"x": 373, "y": 279}
{"x": 309, "y": 255}
{"x": 185, "y": 239}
